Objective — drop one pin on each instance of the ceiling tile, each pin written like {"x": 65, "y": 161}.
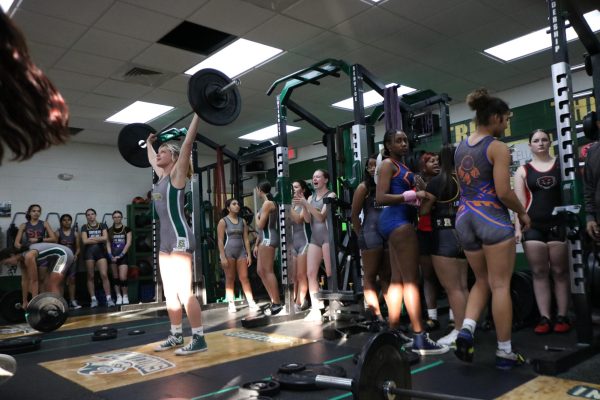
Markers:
{"x": 327, "y": 45}
{"x": 70, "y": 10}
{"x": 137, "y": 22}
{"x": 90, "y": 64}
{"x": 104, "y": 102}
{"x": 161, "y": 96}
{"x": 179, "y": 83}
{"x": 231, "y": 16}
{"x": 168, "y": 58}
{"x": 466, "y": 16}
{"x": 370, "y": 25}
{"x": 110, "y": 44}
{"x": 111, "y": 87}
{"x": 326, "y": 14}
{"x": 273, "y": 5}
{"x": 283, "y": 33}
{"x": 48, "y": 30}
{"x": 418, "y": 10}
{"x": 179, "y": 8}
{"x": 43, "y": 55}
{"x": 288, "y": 63}
{"x": 73, "y": 80}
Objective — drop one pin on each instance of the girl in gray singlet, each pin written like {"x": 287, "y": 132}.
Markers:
{"x": 375, "y": 262}
{"x": 35, "y": 230}
{"x": 61, "y": 258}
{"x": 299, "y": 244}
{"x": 173, "y": 168}
{"x": 315, "y": 213}
{"x": 266, "y": 224}
{"x": 234, "y": 251}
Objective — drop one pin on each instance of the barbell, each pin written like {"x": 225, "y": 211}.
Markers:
{"x": 211, "y": 94}
{"x": 382, "y": 372}
{"x": 46, "y": 312}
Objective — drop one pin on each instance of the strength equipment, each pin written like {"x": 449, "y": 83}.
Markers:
{"x": 212, "y": 95}
{"x": 19, "y": 345}
{"x": 10, "y": 307}
{"x": 105, "y": 333}
{"x": 383, "y": 372}
{"x": 47, "y": 312}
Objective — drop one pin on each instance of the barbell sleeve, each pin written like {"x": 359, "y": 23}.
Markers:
{"x": 333, "y": 382}
{"x": 390, "y": 390}
{"x": 229, "y": 86}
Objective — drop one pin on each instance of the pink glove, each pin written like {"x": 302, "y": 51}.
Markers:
{"x": 410, "y": 198}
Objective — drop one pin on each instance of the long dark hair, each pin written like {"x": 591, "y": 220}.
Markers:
{"x": 447, "y": 171}
{"x": 486, "y": 106}
{"x": 33, "y": 114}
{"x": 11, "y": 251}
{"x": 265, "y": 187}
{"x": 369, "y": 180}
{"x": 28, "y": 213}
{"x": 306, "y": 192}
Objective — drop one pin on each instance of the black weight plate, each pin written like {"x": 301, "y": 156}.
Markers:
{"x": 291, "y": 367}
{"x": 216, "y": 109}
{"x": 380, "y": 360}
{"x": 47, "y": 312}
{"x": 305, "y": 379}
{"x": 260, "y": 388}
{"x": 11, "y": 307}
{"x": 523, "y": 298}
{"x": 590, "y": 128}
{"x": 136, "y": 332}
{"x": 132, "y": 144}
{"x": 19, "y": 345}
{"x": 104, "y": 333}
{"x": 255, "y": 321}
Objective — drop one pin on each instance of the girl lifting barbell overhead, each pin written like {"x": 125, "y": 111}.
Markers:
{"x": 176, "y": 240}
{"x": 234, "y": 253}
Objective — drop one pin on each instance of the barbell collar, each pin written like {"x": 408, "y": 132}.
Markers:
{"x": 234, "y": 83}
{"x": 390, "y": 390}
{"x": 333, "y": 382}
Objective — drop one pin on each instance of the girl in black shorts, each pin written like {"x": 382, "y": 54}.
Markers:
{"x": 538, "y": 186}
{"x": 119, "y": 241}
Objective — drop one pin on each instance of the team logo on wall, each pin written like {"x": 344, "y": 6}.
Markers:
{"x": 546, "y": 182}
{"x": 116, "y": 363}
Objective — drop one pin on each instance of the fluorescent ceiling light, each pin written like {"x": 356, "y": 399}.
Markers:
{"x": 237, "y": 58}
{"x": 371, "y": 98}
{"x": 537, "y": 41}
{"x": 140, "y": 111}
{"x": 6, "y": 4}
{"x": 267, "y": 133}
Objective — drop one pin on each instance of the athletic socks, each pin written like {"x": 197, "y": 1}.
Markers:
{"x": 198, "y": 331}
{"x": 505, "y": 346}
{"x": 432, "y": 313}
{"x": 469, "y": 325}
{"x": 177, "y": 329}
{"x": 450, "y": 315}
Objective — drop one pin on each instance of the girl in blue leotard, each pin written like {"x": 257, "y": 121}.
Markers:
{"x": 396, "y": 190}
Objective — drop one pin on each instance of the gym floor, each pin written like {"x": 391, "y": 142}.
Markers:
{"x": 69, "y": 365}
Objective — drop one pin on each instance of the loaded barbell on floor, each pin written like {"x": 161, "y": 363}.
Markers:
{"x": 383, "y": 372}
{"x": 46, "y": 312}
{"x": 211, "y": 94}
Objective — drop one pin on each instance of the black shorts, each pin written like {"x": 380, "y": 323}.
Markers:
{"x": 546, "y": 234}
{"x": 425, "y": 242}
{"x": 120, "y": 261}
{"x": 446, "y": 244}
{"x": 94, "y": 252}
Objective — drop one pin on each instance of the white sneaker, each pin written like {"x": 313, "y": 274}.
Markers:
{"x": 231, "y": 307}
{"x": 110, "y": 303}
{"x": 125, "y": 300}
{"x": 449, "y": 339}
{"x": 253, "y": 306}
{"x": 74, "y": 305}
{"x": 314, "y": 315}
{"x": 119, "y": 300}
{"x": 8, "y": 367}
{"x": 94, "y": 303}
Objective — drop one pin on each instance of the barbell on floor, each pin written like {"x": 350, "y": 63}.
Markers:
{"x": 46, "y": 312}
{"x": 211, "y": 94}
{"x": 382, "y": 372}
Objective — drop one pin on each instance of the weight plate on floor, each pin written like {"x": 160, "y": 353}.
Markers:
{"x": 260, "y": 388}
{"x": 104, "y": 333}
{"x": 305, "y": 379}
{"x": 291, "y": 367}
{"x": 22, "y": 344}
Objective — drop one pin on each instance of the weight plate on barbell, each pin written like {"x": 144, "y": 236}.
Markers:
{"x": 132, "y": 144}
{"x": 47, "y": 312}
{"x": 210, "y": 105}
{"x": 381, "y": 360}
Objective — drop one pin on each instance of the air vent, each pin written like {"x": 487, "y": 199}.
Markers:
{"x": 196, "y": 38}
{"x": 137, "y": 71}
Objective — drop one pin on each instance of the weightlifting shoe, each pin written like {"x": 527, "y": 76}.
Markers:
{"x": 125, "y": 299}
{"x": 110, "y": 303}
{"x": 506, "y": 361}
{"x": 449, "y": 339}
{"x": 94, "y": 303}
{"x": 119, "y": 300}
{"x": 274, "y": 309}
{"x": 174, "y": 340}
{"x": 196, "y": 345}
{"x": 543, "y": 327}
{"x": 252, "y": 306}
{"x": 562, "y": 324}
{"x": 464, "y": 345}
{"x": 8, "y": 367}
{"x": 423, "y": 345}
